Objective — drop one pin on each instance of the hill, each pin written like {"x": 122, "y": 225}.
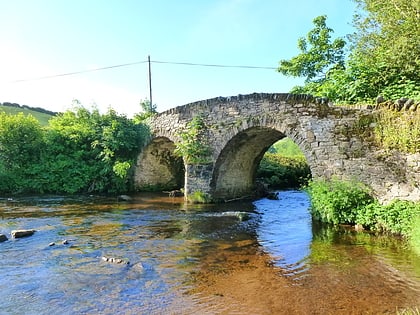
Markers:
{"x": 41, "y": 114}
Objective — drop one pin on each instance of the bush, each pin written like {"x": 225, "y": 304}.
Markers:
{"x": 281, "y": 172}
{"x": 346, "y": 202}
{"x": 396, "y": 217}
{"x": 337, "y": 201}
{"x": 80, "y": 151}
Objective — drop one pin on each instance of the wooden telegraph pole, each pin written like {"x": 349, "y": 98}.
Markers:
{"x": 150, "y": 85}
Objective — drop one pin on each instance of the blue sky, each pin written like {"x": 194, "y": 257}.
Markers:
{"x": 41, "y": 38}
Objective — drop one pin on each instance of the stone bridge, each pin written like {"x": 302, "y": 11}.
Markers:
{"x": 240, "y": 129}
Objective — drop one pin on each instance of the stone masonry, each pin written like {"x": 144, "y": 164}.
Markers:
{"x": 240, "y": 129}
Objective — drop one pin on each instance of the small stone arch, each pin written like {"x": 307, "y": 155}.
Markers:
{"x": 158, "y": 167}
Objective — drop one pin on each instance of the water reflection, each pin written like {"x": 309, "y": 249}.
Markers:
{"x": 285, "y": 229}
{"x": 207, "y": 259}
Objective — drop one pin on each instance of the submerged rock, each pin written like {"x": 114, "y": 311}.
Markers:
{"x": 22, "y": 233}
{"x": 272, "y": 196}
{"x": 115, "y": 260}
{"x": 3, "y": 238}
{"x": 123, "y": 198}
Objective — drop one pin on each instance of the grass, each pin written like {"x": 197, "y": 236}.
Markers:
{"x": 43, "y": 118}
{"x": 398, "y": 130}
{"x": 286, "y": 147}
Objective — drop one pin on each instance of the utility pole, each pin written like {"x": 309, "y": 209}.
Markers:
{"x": 150, "y": 84}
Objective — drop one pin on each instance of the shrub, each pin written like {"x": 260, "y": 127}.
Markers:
{"x": 283, "y": 172}
{"x": 346, "y": 202}
{"x": 337, "y": 201}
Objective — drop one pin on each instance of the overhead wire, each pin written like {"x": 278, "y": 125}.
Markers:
{"x": 78, "y": 72}
{"x": 141, "y": 62}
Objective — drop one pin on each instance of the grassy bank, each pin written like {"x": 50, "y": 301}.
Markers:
{"x": 346, "y": 202}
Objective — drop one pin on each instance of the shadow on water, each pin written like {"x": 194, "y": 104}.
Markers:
{"x": 170, "y": 257}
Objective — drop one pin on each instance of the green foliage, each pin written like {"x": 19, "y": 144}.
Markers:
{"x": 346, "y": 202}
{"x": 387, "y": 40}
{"x": 396, "y": 217}
{"x": 199, "y": 197}
{"x": 319, "y": 55}
{"x": 193, "y": 147}
{"x": 337, "y": 201}
{"x": 80, "y": 151}
{"x": 281, "y": 172}
{"x": 398, "y": 130}
{"x": 287, "y": 148}
{"x": 147, "y": 110}
{"x": 21, "y": 140}
{"x": 383, "y": 59}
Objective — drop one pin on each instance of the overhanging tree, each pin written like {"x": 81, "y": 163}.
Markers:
{"x": 319, "y": 57}
{"x": 385, "y": 55}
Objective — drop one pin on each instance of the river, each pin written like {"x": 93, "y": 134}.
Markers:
{"x": 157, "y": 255}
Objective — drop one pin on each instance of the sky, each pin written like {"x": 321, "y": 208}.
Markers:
{"x": 40, "y": 40}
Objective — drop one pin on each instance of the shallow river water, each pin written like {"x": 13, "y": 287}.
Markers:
{"x": 157, "y": 255}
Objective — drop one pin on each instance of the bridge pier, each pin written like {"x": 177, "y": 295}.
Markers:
{"x": 198, "y": 178}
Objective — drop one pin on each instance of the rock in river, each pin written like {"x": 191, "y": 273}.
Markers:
{"x": 22, "y": 233}
{"x": 3, "y": 238}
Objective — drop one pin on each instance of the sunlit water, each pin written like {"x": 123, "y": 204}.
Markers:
{"x": 240, "y": 258}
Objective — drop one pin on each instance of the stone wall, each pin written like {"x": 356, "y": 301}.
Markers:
{"x": 335, "y": 141}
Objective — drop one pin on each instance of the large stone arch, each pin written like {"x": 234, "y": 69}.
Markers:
{"x": 235, "y": 168}
{"x": 158, "y": 167}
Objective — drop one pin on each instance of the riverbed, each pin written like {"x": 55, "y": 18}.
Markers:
{"x": 155, "y": 254}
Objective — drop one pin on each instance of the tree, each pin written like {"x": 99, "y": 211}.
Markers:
{"x": 318, "y": 55}
{"x": 385, "y": 54}
{"x": 92, "y": 152}
{"x": 21, "y": 147}
{"x": 21, "y": 140}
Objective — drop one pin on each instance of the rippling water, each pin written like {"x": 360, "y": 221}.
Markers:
{"x": 265, "y": 257}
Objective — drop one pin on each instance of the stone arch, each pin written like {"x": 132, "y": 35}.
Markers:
{"x": 236, "y": 165}
{"x": 235, "y": 168}
{"x": 158, "y": 167}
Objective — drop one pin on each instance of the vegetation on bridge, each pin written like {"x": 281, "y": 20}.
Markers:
{"x": 193, "y": 147}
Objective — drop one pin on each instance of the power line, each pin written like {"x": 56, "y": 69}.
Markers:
{"x": 141, "y": 62}
{"x": 78, "y": 72}
{"x": 214, "y": 65}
